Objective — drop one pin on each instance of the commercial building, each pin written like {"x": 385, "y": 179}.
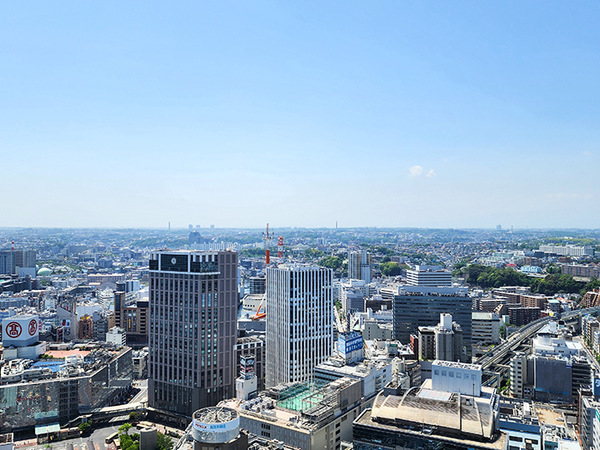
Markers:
{"x": 431, "y": 276}
{"x": 486, "y": 327}
{"x": 443, "y": 341}
{"x": 299, "y": 332}
{"x": 56, "y": 391}
{"x": 7, "y": 262}
{"x": 349, "y": 361}
{"x": 521, "y": 425}
{"x": 416, "y": 306}
{"x": 10, "y": 260}
{"x": 309, "y": 415}
{"x": 360, "y": 266}
{"x": 193, "y": 311}
{"x": 252, "y": 346}
{"x": 257, "y": 285}
{"x": 133, "y": 318}
{"x": 447, "y": 412}
{"x": 588, "y": 407}
{"x": 116, "y": 336}
{"x": 549, "y": 378}
{"x": 374, "y": 330}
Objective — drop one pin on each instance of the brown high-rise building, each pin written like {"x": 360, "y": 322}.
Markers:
{"x": 133, "y": 319}
{"x": 193, "y": 329}
{"x": 86, "y": 327}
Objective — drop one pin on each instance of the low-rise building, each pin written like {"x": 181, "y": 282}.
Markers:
{"x": 521, "y": 425}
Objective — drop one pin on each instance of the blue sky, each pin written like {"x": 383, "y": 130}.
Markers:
{"x": 433, "y": 114}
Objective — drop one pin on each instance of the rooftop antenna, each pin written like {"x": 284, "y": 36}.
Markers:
{"x": 267, "y": 238}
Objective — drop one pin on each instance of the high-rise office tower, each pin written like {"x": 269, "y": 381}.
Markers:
{"x": 7, "y": 262}
{"x": 359, "y": 265}
{"x": 193, "y": 317}
{"x": 299, "y": 321}
{"x": 11, "y": 259}
{"x": 416, "y": 306}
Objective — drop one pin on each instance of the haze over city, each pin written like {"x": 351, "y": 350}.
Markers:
{"x": 461, "y": 114}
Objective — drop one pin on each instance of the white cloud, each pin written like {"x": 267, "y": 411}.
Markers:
{"x": 415, "y": 171}
{"x": 565, "y": 196}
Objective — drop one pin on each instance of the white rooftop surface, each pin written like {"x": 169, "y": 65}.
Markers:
{"x": 432, "y": 394}
{"x": 359, "y": 369}
{"x": 283, "y": 416}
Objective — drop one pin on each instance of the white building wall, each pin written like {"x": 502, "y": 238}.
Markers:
{"x": 299, "y": 332}
{"x": 456, "y": 377}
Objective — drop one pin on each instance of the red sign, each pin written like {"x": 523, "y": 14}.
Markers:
{"x": 13, "y": 330}
{"x": 33, "y": 326}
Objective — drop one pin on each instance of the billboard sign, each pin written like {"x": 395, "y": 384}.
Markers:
{"x": 20, "y": 331}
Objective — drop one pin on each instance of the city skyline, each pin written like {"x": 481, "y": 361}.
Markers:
{"x": 460, "y": 115}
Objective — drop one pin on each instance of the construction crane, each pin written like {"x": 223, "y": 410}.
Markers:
{"x": 258, "y": 314}
{"x": 267, "y": 238}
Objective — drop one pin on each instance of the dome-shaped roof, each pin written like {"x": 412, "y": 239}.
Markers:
{"x": 44, "y": 272}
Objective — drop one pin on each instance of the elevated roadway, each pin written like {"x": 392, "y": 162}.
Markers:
{"x": 498, "y": 357}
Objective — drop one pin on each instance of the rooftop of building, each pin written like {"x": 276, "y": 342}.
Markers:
{"x": 295, "y": 266}
{"x": 58, "y": 364}
{"x": 480, "y": 315}
{"x": 457, "y": 365}
{"x": 431, "y": 291}
{"x": 425, "y": 431}
{"x": 548, "y": 415}
{"x": 301, "y": 406}
{"x": 355, "y": 370}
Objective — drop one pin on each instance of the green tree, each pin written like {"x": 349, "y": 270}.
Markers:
{"x": 163, "y": 442}
{"x": 125, "y": 428}
{"x": 314, "y": 253}
{"x": 135, "y": 416}
{"x": 332, "y": 262}
{"x": 390, "y": 269}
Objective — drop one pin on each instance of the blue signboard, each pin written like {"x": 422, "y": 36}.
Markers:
{"x": 347, "y": 343}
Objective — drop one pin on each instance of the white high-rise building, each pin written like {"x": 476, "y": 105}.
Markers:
{"x": 359, "y": 266}
{"x": 299, "y": 321}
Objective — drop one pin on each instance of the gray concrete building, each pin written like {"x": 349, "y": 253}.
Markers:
{"x": 416, "y": 306}
{"x": 360, "y": 266}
